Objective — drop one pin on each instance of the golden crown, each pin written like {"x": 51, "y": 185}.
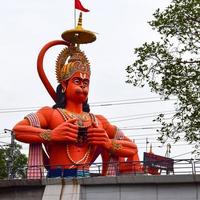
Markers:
{"x": 76, "y": 59}
{"x": 76, "y": 62}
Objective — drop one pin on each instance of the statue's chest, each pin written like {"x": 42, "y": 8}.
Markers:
{"x": 83, "y": 120}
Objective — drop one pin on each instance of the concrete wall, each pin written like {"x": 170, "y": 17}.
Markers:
{"x": 140, "y": 192}
{"x": 172, "y": 187}
{"x": 21, "y": 190}
{"x": 185, "y": 187}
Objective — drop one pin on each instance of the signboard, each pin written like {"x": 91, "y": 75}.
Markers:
{"x": 159, "y": 162}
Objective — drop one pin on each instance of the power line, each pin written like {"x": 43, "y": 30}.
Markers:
{"x": 17, "y": 108}
{"x": 17, "y": 111}
{"x": 123, "y": 100}
{"x": 108, "y": 103}
{"x": 143, "y": 145}
{"x": 182, "y": 154}
{"x": 127, "y": 103}
{"x": 143, "y": 128}
{"x": 136, "y": 126}
{"x": 143, "y": 139}
{"x": 167, "y": 112}
{"x": 133, "y": 118}
{"x": 141, "y": 116}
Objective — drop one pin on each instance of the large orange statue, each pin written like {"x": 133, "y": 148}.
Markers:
{"x": 72, "y": 137}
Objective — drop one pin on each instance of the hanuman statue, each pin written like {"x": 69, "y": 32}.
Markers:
{"x": 67, "y": 138}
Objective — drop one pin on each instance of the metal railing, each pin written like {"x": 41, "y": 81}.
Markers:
{"x": 180, "y": 166}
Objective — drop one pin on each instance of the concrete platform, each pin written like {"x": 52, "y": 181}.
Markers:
{"x": 137, "y": 187}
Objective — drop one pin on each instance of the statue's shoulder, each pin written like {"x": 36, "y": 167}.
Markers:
{"x": 102, "y": 120}
{"x": 46, "y": 111}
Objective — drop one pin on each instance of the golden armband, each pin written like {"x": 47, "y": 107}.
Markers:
{"x": 115, "y": 146}
{"x": 46, "y": 135}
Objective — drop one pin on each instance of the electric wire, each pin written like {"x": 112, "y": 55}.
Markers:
{"x": 121, "y": 100}
{"x": 127, "y": 103}
{"x": 140, "y": 116}
{"x": 167, "y": 112}
{"x": 106, "y": 103}
{"x": 142, "y": 128}
{"x": 182, "y": 154}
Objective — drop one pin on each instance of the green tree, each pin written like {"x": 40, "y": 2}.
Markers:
{"x": 3, "y": 168}
{"x": 171, "y": 68}
{"x": 13, "y": 158}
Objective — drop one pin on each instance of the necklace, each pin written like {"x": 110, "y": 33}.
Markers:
{"x": 84, "y": 159}
{"x": 81, "y": 118}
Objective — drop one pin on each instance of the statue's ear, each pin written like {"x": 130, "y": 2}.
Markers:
{"x": 64, "y": 85}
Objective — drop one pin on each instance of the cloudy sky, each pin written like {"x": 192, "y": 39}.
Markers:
{"x": 121, "y": 26}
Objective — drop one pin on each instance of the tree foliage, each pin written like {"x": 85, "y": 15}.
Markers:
{"x": 171, "y": 68}
{"x": 11, "y": 157}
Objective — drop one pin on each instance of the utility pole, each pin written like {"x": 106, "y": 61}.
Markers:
{"x": 147, "y": 142}
{"x": 11, "y": 154}
{"x": 168, "y": 151}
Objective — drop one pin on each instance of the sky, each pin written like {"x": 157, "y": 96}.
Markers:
{"x": 120, "y": 26}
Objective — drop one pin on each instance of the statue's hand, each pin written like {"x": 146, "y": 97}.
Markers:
{"x": 98, "y": 136}
{"x": 67, "y": 131}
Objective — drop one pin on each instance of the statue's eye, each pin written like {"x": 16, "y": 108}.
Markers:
{"x": 85, "y": 82}
{"x": 77, "y": 81}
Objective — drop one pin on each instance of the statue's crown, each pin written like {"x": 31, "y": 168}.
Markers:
{"x": 72, "y": 59}
{"x": 76, "y": 62}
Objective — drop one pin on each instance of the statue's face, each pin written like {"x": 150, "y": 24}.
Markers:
{"x": 78, "y": 87}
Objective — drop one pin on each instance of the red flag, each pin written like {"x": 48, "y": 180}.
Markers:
{"x": 79, "y": 6}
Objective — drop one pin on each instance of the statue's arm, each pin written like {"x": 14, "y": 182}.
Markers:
{"x": 27, "y": 133}
{"x": 64, "y": 132}
{"x": 119, "y": 146}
